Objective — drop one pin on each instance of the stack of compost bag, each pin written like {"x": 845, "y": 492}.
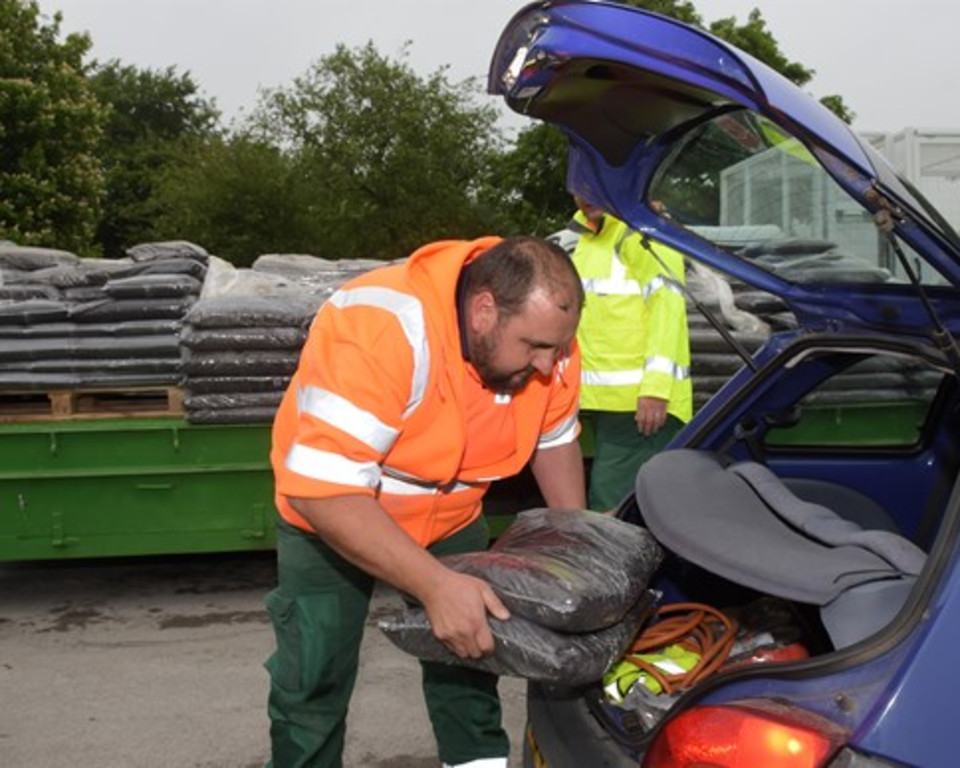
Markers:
{"x": 750, "y": 315}
{"x": 319, "y": 276}
{"x": 239, "y": 352}
{"x": 747, "y": 316}
{"x": 67, "y": 322}
{"x": 241, "y": 341}
{"x": 575, "y": 583}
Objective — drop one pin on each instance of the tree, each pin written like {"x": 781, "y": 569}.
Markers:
{"x": 154, "y": 115}
{"x": 239, "y": 197}
{"x": 528, "y": 183}
{"x": 50, "y": 127}
{"x": 392, "y": 160}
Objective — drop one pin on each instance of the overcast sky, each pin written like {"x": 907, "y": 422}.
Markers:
{"x": 895, "y": 64}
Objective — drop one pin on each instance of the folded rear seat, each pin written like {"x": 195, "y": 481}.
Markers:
{"x": 742, "y": 522}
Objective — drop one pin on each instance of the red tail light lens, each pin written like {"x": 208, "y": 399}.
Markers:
{"x": 748, "y": 734}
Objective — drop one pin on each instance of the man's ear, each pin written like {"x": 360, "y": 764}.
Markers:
{"x": 482, "y": 314}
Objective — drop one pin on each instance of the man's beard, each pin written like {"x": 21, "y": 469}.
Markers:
{"x": 482, "y": 350}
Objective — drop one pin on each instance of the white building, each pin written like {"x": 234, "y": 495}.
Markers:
{"x": 929, "y": 159}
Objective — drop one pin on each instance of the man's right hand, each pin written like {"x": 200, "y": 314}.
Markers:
{"x": 457, "y": 609}
{"x": 456, "y": 604}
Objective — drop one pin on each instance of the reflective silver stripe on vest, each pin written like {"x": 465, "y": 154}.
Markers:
{"x": 660, "y": 281}
{"x": 611, "y": 378}
{"x": 563, "y": 434}
{"x": 667, "y": 366}
{"x": 339, "y": 412}
{"x": 618, "y": 284}
{"x": 401, "y": 484}
{"x": 332, "y": 467}
{"x": 634, "y": 375}
{"x": 409, "y": 313}
{"x": 611, "y": 286}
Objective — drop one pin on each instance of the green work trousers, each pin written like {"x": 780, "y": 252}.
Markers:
{"x": 619, "y": 452}
{"x": 318, "y": 610}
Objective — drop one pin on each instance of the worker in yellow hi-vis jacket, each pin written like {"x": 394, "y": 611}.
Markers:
{"x": 636, "y": 391}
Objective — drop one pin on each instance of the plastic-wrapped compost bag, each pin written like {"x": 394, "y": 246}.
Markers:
{"x": 525, "y": 649}
{"x": 571, "y": 570}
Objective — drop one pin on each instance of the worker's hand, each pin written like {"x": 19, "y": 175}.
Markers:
{"x": 457, "y": 609}
{"x": 651, "y": 415}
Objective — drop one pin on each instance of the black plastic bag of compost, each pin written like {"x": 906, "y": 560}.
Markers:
{"x": 572, "y": 570}
{"x": 525, "y": 649}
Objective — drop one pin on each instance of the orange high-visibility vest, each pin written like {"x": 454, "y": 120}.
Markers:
{"x": 376, "y": 406}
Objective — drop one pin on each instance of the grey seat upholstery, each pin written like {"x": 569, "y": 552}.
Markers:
{"x": 846, "y": 502}
{"x": 743, "y": 523}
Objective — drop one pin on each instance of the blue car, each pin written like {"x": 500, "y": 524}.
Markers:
{"x": 813, "y": 497}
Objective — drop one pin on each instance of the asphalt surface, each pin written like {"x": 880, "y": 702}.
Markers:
{"x": 150, "y": 662}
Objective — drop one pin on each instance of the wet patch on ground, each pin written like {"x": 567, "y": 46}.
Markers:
{"x": 212, "y": 619}
{"x": 246, "y": 585}
{"x": 68, "y": 618}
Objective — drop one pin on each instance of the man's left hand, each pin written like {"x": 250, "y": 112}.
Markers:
{"x": 651, "y": 415}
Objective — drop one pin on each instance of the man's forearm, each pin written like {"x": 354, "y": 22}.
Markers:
{"x": 559, "y": 475}
{"x": 360, "y": 531}
{"x": 457, "y": 604}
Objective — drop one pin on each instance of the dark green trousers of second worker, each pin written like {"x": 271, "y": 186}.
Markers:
{"x": 319, "y": 610}
{"x": 619, "y": 452}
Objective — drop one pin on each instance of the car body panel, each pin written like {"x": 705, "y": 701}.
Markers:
{"x": 887, "y": 690}
{"x": 622, "y": 82}
{"x": 635, "y": 92}
{"x": 914, "y": 721}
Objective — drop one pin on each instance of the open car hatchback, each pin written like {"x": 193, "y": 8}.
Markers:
{"x": 813, "y": 496}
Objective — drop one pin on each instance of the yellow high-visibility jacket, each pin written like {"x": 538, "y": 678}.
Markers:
{"x": 633, "y": 333}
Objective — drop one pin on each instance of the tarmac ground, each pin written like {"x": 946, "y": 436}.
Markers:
{"x": 155, "y": 662}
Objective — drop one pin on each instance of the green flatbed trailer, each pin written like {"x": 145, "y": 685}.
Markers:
{"x": 107, "y": 487}
{"x": 128, "y": 486}
{"x": 133, "y": 486}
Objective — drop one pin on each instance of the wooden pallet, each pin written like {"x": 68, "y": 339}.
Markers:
{"x": 90, "y": 403}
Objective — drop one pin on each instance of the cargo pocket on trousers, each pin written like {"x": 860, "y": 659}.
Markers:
{"x": 315, "y": 646}
{"x": 284, "y": 664}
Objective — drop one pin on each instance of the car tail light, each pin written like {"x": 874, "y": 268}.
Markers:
{"x": 746, "y": 734}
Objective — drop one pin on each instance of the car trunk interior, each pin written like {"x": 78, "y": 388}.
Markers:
{"x": 808, "y": 516}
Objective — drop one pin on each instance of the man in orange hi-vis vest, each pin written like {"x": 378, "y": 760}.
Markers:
{"x": 420, "y": 383}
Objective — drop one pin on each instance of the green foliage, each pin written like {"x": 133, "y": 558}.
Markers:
{"x": 50, "y": 125}
{"x": 836, "y": 105}
{"x": 391, "y": 159}
{"x": 238, "y": 197}
{"x": 529, "y": 182}
{"x": 154, "y": 118}
{"x": 359, "y": 157}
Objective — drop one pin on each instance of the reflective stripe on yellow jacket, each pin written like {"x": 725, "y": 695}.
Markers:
{"x": 376, "y": 406}
{"x": 633, "y": 332}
